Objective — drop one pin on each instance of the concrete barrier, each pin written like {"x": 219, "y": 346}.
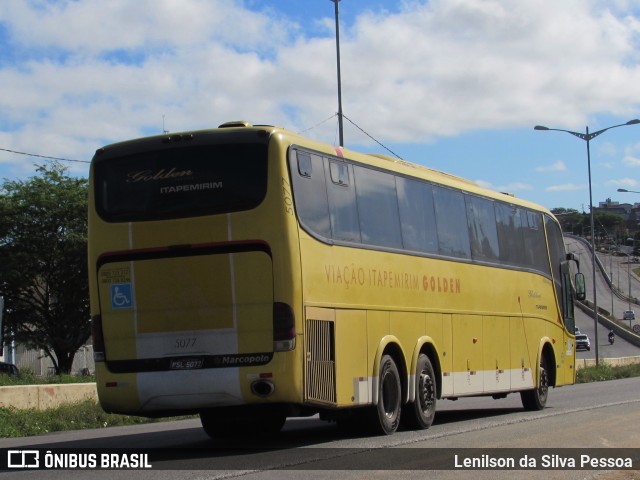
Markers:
{"x": 42, "y": 397}
{"x": 614, "y": 362}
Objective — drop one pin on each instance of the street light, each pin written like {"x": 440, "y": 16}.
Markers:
{"x": 588, "y": 137}
{"x": 624, "y": 190}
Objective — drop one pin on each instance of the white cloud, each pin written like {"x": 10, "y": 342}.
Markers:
{"x": 622, "y": 183}
{"x": 95, "y": 72}
{"x": 559, "y": 166}
{"x": 631, "y": 161}
{"x": 568, "y": 187}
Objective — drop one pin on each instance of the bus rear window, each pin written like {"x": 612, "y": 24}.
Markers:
{"x": 181, "y": 182}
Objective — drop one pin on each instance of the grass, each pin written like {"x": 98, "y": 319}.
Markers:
{"x": 88, "y": 414}
{"x": 27, "y": 377}
{"x": 604, "y": 372}
{"x": 73, "y": 416}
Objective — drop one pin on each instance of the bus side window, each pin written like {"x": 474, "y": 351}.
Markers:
{"x": 510, "y": 234}
{"x": 535, "y": 243}
{"x": 483, "y": 232}
{"x": 377, "y": 207}
{"x": 417, "y": 218}
{"x": 342, "y": 203}
{"x": 310, "y": 193}
{"x": 339, "y": 173}
{"x": 451, "y": 222}
{"x": 305, "y": 167}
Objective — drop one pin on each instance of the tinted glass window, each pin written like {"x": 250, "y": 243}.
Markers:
{"x": 451, "y": 221}
{"x": 417, "y": 217}
{"x": 556, "y": 246}
{"x": 535, "y": 244}
{"x": 311, "y": 192}
{"x": 482, "y": 228}
{"x": 377, "y": 207}
{"x": 342, "y": 203}
{"x": 348, "y": 202}
{"x": 181, "y": 182}
{"x": 339, "y": 173}
{"x": 305, "y": 167}
{"x": 556, "y": 252}
{"x": 510, "y": 233}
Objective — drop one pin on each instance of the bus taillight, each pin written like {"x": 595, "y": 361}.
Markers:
{"x": 284, "y": 327}
{"x": 98, "y": 338}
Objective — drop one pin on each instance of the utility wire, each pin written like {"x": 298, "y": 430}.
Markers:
{"x": 318, "y": 124}
{"x": 358, "y": 127}
{"x": 44, "y": 156}
{"x": 383, "y": 146}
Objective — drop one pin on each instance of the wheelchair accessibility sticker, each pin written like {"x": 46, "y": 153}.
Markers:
{"x": 121, "y": 295}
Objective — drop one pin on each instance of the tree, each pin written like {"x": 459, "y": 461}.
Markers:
{"x": 43, "y": 263}
{"x": 570, "y": 219}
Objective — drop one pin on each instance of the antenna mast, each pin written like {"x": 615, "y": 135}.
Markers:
{"x": 340, "y": 125}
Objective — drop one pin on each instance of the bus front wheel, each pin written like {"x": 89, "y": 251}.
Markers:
{"x": 387, "y": 411}
{"x": 536, "y": 399}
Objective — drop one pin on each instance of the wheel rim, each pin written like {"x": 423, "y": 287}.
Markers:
{"x": 544, "y": 384}
{"x": 426, "y": 392}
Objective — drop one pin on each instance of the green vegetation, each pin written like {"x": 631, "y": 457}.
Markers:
{"x": 27, "y": 377}
{"x": 43, "y": 263}
{"x": 604, "y": 372}
{"x": 75, "y": 416}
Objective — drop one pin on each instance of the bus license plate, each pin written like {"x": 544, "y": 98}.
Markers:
{"x": 186, "y": 364}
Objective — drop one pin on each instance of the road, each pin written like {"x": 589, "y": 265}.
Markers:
{"x": 606, "y": 300}
{"x": 597, "y": 415}
{"x": 617, "y": 269}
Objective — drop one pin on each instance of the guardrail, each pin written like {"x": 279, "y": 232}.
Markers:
{"x": 618, "y": 329}
{"x": 614, "y": 362}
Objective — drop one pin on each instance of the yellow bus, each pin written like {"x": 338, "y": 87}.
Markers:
{"x": 249, "y": 274}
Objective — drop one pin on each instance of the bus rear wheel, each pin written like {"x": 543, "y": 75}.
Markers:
{"x": 422, "y": 411}
{"x": 386, "y": 415}
{"x": 536, "y": 399}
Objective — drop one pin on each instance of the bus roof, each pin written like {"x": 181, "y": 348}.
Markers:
{"x": 375, "y": 159}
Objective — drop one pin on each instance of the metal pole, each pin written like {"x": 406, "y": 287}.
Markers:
{"x": 611, "y": 270}
{"x": 629, "y": 280}
{"x": 593, "y": 249}
{"x": 340, "y": 125}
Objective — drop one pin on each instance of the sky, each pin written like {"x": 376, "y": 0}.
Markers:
{"x": 456, "y": 85}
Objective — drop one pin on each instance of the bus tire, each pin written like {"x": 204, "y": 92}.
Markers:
{"x": 536, "y": 399}
{"x": 421, "y": 412}
{"x": 386, "y": 415}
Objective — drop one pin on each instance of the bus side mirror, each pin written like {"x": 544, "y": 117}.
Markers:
{"x": 581, "y": 289}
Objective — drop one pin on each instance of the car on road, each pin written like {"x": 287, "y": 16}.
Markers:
{"x": 628, "y": 315}
{"x": 577, "y": 331}
{"x": 582, "y": 342}
{"x": 9, "y": 369}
